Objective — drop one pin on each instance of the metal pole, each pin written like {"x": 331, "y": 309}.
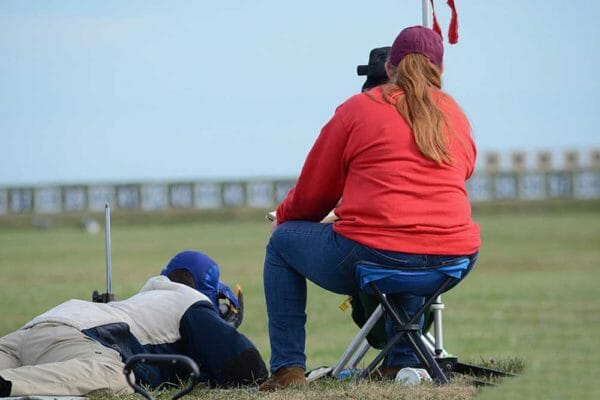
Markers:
{"x": 359, "y": 355}
{"x": 429, "y": 340}
{"x": 437, "y": 308}
{"x": 108, "y": 251}
{"x": 426, "y": 14}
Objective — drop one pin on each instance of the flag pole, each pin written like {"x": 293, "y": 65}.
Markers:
{"x": 426, "y": 13}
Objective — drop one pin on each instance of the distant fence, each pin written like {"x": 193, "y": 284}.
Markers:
{"x": 492, "y": 182}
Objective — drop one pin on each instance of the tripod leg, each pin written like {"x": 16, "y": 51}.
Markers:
{"x": 356, "y": 343}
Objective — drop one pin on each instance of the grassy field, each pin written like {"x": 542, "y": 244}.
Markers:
{"x": 533, "y": 295}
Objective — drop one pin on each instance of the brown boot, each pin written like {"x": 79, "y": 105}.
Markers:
{"x": 284, "y": 378}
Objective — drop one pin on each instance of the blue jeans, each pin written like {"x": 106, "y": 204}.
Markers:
{"x": 300, "y": 250}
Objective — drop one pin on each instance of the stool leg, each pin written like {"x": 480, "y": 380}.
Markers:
{"x": 423, "y": 353}
{"x": 429, "y": 302}
{"x": 399, "y": 317}
{"x": 391, "y": 343}
{"x": 434, "y": 367}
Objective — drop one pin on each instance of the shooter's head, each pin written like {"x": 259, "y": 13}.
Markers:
{"x": 199, "y": 271}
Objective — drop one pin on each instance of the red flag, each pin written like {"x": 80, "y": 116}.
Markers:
{"x": 436, "y": 24}
{"x": 452, "y": 28}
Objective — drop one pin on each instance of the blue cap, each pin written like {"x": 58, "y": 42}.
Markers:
{"x": 205, "y": 272}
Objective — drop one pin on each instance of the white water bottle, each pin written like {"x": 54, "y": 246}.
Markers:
{"x": 412, "y": 376}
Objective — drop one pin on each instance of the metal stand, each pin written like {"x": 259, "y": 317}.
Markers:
{"x": 109, "y": 295}
{"x": 359, "y": 346}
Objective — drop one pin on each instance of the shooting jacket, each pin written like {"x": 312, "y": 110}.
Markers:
{"x": 164, "y": 318}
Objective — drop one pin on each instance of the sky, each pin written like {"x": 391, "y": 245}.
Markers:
{"x": 127, "y": 90}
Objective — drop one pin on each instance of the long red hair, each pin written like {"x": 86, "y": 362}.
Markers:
{"x": 416, "y": 76}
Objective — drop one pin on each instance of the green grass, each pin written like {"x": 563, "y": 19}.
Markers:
{"x": 533, "y": 295}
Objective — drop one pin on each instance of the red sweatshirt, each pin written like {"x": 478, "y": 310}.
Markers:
{"x": 387, "y": 195}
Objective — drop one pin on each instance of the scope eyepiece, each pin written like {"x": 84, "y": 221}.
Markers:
{"x": 362, "y": 70}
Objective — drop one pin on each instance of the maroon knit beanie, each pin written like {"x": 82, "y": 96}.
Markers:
{"x": 421, "y": 40}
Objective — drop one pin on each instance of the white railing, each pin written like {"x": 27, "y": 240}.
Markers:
{"x": 492, "y": 182}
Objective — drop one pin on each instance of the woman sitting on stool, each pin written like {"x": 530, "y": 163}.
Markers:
{"x": 392, "y": 163}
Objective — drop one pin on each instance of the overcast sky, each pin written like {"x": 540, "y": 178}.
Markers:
{"x": 119, "y": 90}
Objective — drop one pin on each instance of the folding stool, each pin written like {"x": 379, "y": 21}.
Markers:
{"x": 382, "y": 281}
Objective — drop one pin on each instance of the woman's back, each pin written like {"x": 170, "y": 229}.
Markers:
{"x": 395, "y": 198}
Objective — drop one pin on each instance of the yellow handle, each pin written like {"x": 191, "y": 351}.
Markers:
{"x": 345, "y": 304}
